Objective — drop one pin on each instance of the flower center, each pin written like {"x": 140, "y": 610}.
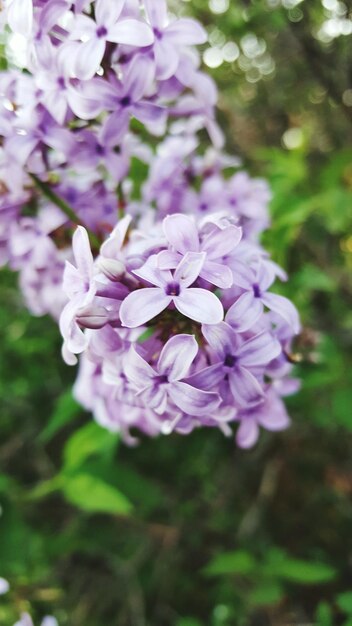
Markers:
{"x": 161, "y": 380}
{"x": 99, "y": 149}
{"x": 256, "y": 291}
{"x": 101, "y": 32}
{"x": 230, "y": 360}
{"x": 158, "y": 34}
{"x": 125, "y": 101}
{"x": 61, "y": 82}
{"x": 172, "y": 289}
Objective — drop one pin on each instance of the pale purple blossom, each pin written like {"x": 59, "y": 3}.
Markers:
{"x": 164, "y": 383}
{"x": 108, "y": 26}
{"x": 198, "y": 304}
{"x": 183, "y": 236}
{"x": 254, "y": 284}
{"x": 170, "y": 37}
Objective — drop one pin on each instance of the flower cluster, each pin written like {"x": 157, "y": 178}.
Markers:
{"x": 163, "y": 290}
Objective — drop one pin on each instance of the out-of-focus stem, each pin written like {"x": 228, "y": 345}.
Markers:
{"x": 63, "y": 206}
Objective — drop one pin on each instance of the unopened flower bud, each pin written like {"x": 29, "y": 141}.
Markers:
{"x": 112, "y": 268}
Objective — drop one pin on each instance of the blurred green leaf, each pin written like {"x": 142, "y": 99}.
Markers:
{"x": 267, "y": 594}
{"x": 66, "y": 410}
{"x": 302, "y": 572}
{"x": 93, "y": 495}
{"x": 238, "y": 562}
{"x": 90, "y": 439}
{"x": 323, "y": 615}
{"x": 344, "y": 602}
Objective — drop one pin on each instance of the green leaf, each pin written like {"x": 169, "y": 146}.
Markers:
{"x": 323, "y": 615}
{"x": 344, "y": 602}
{"x": 267, "y": 594}
{"x": 66, "y": 410}
{"x": 88, "y": 440}
{"x": 304, "y": 572}
{"x": 93, "y": 495}
{"x": 238, "y": 562}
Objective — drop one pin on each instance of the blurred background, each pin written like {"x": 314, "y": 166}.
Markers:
{"x": 193, "y": 531}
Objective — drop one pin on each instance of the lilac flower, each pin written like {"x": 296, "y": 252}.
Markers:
{"x": 20, "y": 16}
{"x": 107, "y": 27}
{"x": 182, "y": 234}
{"x": 164, "y": 383}
{"x": 198, "y": 304}
{"x": 110, "y": 261}
{"x": 271, "y": 414}
{"x": 247, "y": 309}
{"x": 80, "y": 287}
{"x": 237, "y": 363}
{"x": 169, "y": 37}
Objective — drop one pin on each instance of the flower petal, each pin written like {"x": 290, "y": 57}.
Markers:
{"x": 245, "y": 312}
{"x": 208, "y": 377}
{"x": 156, "y": 11}
{"x": 181, "y": 233}
{"x": 108, "y": 12}
{"x": 132, "y": 33}
{"x": 221, "y": 242}
{"x": 193, "y": 401}
{"x": 245, "y": 388}
{"x": 243, "y": 276}
{"x": 82, "y": 252}
{"x": 274, "y": 416}
{"x": 189, "y": 268}
{"x": 142, "y": 305}
{"x": 200, "y": 305}
{"x": 217, "y": 274}
{"x": 168, "y": 260}
{"x": 177, "y": 356}
{"x": 283, "y": 307}
{"x": 138, "y": 77}
{"x": 50, "y": 14}
{"x": 88, "y": 58}
{"x": 137, "y": 370}
{"x": 186, "y": 31}
{"x": 151, "y": 273}
{"x": 20, "y": 17}
{"x": 259, "y": 350}
{"x": 220, "y": 337}
{"x": 247, "y": 433}
{"x": 166, "y": 59}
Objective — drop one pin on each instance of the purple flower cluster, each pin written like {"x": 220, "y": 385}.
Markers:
{"x": 163, "y": 289}
{"x": 176, "y": 326}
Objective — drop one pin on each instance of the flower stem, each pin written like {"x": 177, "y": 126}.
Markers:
{"x": 63, "y": 206}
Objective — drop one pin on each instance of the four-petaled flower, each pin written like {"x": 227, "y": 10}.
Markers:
{"x": 236, "y": 363}
{"x": 182, "y": 234}
{"x": 164, "y": 383}
{"x": 107, "y": 27}
{"x": 248, "y": 308}
{"x": 200, "y": 305}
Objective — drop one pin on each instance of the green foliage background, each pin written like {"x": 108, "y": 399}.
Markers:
{"x": 192, "y": 531}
